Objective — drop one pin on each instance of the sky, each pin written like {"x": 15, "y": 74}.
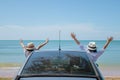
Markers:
{"x": 41, "y": 19}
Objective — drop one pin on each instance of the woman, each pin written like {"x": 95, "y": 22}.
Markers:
{"x": 31, "y": 47}
{"x": 91, "y": 48}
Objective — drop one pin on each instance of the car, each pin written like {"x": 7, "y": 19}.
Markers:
{"x": 59, "y": 65}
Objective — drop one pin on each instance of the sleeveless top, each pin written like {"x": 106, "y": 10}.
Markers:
{"x": 27, "y": 52}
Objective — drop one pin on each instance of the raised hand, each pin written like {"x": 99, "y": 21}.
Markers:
{"x": 109, "y": 39}
{"x": 73, "y": 35}
{"x": 47, "y": 40}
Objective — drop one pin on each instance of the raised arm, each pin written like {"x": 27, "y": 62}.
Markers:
{"x": 41, "y": 45}
{"x": 21, "y": 43}
{"x": 107, "y": 42}
{"x": 75, "y": 39}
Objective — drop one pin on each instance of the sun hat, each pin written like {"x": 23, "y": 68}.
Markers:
{"x": 91, "y": 46}
{"x": 30, "y": 46}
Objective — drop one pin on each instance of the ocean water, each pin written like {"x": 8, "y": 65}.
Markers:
{"x": 11, "y": 51}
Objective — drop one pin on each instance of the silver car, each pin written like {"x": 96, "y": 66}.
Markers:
{"x": 59, "y": 65}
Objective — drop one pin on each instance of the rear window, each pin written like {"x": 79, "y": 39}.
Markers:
{"x": 56, "y": 63}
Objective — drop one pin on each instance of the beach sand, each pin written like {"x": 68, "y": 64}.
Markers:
{"x": 110, "y": 73}
{"x": 10, "y": 72}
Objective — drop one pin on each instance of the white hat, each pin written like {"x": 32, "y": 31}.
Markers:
{"x": 30, "y": 46}
{"x": 91, "y": 46}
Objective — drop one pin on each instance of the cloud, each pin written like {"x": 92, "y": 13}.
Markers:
{"x": 82, "y": 31}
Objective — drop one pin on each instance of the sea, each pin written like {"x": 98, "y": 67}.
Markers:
{"x": 12, "y": 52}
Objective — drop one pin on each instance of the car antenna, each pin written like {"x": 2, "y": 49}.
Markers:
{"x": 59, "y": 40}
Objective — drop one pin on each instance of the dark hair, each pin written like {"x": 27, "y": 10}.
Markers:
{"x": 93, "y": 51}
{"x": 30, "y": 50}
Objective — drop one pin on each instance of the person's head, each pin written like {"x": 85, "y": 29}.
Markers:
{"x": 92, "y": 47}
{"x": 30, "y": 46}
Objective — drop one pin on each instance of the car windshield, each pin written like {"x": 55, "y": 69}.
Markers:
{"x": 58, "y": 63}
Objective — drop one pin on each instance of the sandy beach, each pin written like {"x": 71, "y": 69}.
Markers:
{"x": 10, "y": 72}
{"x": 110, "y": 73}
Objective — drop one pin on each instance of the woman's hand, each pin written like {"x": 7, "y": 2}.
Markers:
{"x": 73, "y": 35}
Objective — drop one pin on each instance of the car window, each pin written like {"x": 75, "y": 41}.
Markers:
{"x": 55, "y": 62}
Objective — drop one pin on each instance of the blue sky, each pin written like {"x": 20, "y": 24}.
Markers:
{"x": 41, "y": 19}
